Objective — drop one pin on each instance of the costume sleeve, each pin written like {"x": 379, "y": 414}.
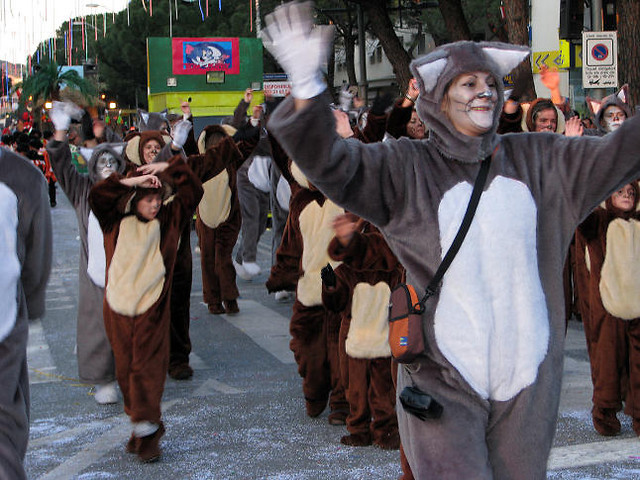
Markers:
{"x": 188, "y": 187}
{"x": 367, "y": 179}
{"x": 511, "y": 122}
{"x": 190, "y": 147}
{"x": 398, "y": 119}
{"x": 167, "y": 153}
{"x": 337, "y": 298}
{"x": 591, "y": 227}
{"x": 37, "y": 263}
{"x": 286, "y": 271}
{"x": 110, "y": 201}
{"x": 374, "y": 129}
{"x": 240, "y": 114}
{"x": 74, "y": 184}
{"x": 583, "y": 170}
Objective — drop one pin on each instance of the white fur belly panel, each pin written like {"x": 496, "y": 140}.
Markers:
{"x": 491, "y": 321}
{"x": 215, "y": 206}
{"x": 620, "y": 284}
{"x": 10, "y": 268}
{"x": 136, "y": 273}
{"x": 316, "y": 230}
{"x": 96, "y": 259}
{"x": 368, "y": 335}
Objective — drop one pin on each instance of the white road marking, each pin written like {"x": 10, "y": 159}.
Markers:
{"x": 39, "y": 356}
{"x": 95, "y": 450}
{"x": 267, "y": 328}
{"x": 212, "y": 387}
{"x": 593, "y": 453}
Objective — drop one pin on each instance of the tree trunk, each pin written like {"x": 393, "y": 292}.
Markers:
{"x": 454, "y": 19}
{"x": 350, "y": 58}
{"x": 382, "y": 28}
{"x": 516, "y": 17}
{"x": 629, "y": 44}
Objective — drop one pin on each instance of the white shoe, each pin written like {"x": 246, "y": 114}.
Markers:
{"x": 240, "y": 271}
{"x": 106, "y": 393}
{"x": 283, "y": 296}
{"x": 252, "y": 268}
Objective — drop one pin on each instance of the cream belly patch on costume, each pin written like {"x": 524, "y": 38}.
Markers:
{"x": 136, "y": 273}
{"x": 317, "y": 231}
{"x": 491, "y": 321}
{"x": 96, "y": 259}
{"x": 620, "y": 284}
{"x": 10, "y": 268}
{"x": 368, "y": 335}
{"x": 215, "y": 206}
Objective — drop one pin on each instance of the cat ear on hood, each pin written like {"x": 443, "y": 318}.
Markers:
{"x": 430, "y": 72}
{"x": 86, "y": 153}
{"x": 506, "y": 58}
{"x": 118, "y": 147}
{"x": 593, "y": 104}
{"x": 623, "y": 93}
{"x": 144, "y": 116}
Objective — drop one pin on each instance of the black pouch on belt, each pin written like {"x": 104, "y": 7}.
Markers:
{"x": 420, "y": 404}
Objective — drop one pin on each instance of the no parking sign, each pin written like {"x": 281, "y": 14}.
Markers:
{"x": 600, "y": 62}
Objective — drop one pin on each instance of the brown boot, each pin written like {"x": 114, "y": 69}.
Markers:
{"x": 133, "y": 445}
{"x": 149, "y": 449}
{"x": 390, "y": 441}
{"x": 216, "y": 308}
{"x": 231, "y": 306}
{"x": 356, "y": 440}
{"x": 315, "y": 407}
{"x": 180, "y": 371}
{"x": 605, "y": 421}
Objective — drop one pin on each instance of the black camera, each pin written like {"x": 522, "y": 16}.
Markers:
{"x": 420, "y": 404}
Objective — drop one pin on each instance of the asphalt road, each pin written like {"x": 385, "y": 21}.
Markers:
{"x": 242, "y": 415}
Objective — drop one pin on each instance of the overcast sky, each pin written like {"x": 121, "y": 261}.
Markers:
{"x": 25, "y": 23}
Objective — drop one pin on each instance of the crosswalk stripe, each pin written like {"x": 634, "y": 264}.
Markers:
{"x": 39, "y": 356}
{"x": 267, "y": 328}
{"x": 585, "y": 454}
{"x": 114, "y": 438}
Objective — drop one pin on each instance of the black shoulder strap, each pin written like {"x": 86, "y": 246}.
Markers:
{"x": 432, "y": 288}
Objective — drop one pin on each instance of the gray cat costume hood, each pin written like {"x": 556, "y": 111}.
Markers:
{"x": 608, "y": 101}
{"x": 495, "y": 332}
{"x": 435, "y": 72}
{"x": 113, "y": 149}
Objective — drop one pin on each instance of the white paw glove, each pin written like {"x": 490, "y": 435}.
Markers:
{"x": 299, "y": 48}
{"x": 61, "y": 114}
{"x": 180, "y": 132}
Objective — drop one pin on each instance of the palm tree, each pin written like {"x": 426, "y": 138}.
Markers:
{"x": 48, "y": 81}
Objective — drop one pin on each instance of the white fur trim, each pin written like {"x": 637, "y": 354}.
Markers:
{"x": 215, "y": 206}
{"x": 368, "y": 335}
{"x": 10, "y": 268}
{"x": 283, "y": 193}
{"x": 430, "y": 72}
{"x": 259, "y": 173}
{"x": 317, "y": 231}
{"x": 96, "y": 259}
{"x": 506, "y": 59}
{"x": 136, "y": 272}
{"x": 300, "y": 178}
{"x": 491, "y": 321}
{"x": 620, "y": 278}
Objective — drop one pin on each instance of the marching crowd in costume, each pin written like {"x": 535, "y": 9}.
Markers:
{"x": 357, "y": 209}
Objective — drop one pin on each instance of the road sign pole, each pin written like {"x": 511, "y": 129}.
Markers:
{"x": 596, "y": 26}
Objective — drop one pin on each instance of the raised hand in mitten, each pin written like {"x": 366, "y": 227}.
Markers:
{"x": 62, "y": 113}
{"x": 300, "y": 48}
{"x": 179, "y": 133}
{"x": 328, "y": 276}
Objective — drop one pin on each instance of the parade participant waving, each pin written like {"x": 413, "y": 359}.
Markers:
{"x": 494, "y": 331}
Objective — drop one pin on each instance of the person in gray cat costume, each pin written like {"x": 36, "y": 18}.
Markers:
{"x": 495, "y": 330}
{"x": 95, "y": 357}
